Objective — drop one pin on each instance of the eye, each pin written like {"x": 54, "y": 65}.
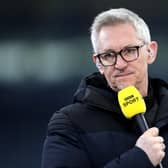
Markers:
{"x": 130, "y": 50}
{"x": 107, "y": 56}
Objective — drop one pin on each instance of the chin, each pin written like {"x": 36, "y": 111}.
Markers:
{"x": 122, "y": 85}
{"x": 125, "y": 82}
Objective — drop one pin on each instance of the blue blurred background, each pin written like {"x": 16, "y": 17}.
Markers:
{"x": 45, "y": 50}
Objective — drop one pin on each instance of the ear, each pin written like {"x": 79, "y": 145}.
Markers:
{"x": 98, "y": 64}
{"x": 152, "y": 51}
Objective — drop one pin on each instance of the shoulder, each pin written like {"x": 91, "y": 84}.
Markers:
{"x": 65, "y": 119}
{"x": 160, "y": 86}
{"x": 80, "y": 118}
{"x": 159, "y": 83}
{"x": 69, "y": 112}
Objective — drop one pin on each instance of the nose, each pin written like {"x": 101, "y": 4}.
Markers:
{"x": 120, "y": 63}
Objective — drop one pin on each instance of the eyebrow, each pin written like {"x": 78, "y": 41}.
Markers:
{"x": 111, "y": 50}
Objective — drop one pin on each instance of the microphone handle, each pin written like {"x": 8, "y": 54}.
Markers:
{"x": 142, "y": 123}
{"x": 160, "y": 165}
{"x": 144, "y": 126}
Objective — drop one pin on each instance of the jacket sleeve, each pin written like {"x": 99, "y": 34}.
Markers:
{"x": 62, "y": 146}
{"x": 134, "y": 157}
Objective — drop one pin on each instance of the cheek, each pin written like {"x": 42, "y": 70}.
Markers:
{"x": 141, "y": 68}
{"x": 141, "y": 73}
{"x": 108, "y": 73}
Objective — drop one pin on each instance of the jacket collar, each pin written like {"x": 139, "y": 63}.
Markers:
{"x": 94, "y": 91}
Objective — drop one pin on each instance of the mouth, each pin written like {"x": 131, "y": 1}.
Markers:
{"x": 124, "y": 74}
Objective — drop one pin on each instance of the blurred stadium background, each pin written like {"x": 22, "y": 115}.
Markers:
{"x": 45, "y": 50}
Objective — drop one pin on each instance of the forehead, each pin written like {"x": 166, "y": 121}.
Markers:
{"x": 117, "y": 36}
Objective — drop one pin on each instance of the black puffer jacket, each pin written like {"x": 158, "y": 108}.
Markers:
{"x": 92, "y": 132}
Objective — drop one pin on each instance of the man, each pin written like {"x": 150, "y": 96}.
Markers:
{"x": 92, "y": 132}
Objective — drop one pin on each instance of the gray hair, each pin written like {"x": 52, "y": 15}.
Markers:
{"x": 118, "y": 16}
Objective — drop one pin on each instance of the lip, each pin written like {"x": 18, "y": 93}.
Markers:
{"x": 123, "y": 74}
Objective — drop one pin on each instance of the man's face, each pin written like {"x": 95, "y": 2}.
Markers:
{"x": 123, "y": 73}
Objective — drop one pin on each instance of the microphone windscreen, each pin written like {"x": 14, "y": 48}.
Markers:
{"x": 131, "y": 102}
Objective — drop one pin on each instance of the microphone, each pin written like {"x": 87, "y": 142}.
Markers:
{"x": 132, "y": 105}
